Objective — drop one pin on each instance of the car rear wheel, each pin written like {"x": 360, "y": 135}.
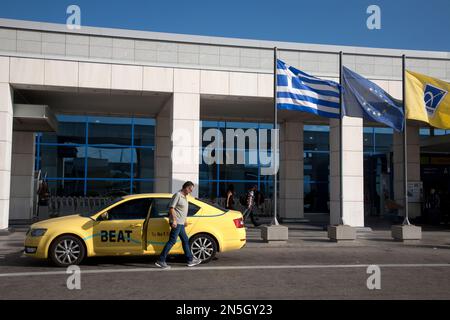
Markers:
{"x": 67, "y": 250}
{"x": 203, "y": 247}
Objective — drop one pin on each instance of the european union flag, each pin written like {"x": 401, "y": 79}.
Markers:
{"x": 364, "y": 98}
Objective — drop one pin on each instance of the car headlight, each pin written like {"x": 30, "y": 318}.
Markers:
{"x": 38, "y": 232}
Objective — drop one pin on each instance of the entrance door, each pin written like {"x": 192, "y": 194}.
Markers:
{"x": 376, "y": 184}
{"x": 121, "y": 232}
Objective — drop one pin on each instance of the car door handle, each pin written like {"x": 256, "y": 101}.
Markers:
{"x": 136, "y": 225}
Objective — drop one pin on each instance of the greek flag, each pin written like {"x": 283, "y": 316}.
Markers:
{"x": 299, "y": 91}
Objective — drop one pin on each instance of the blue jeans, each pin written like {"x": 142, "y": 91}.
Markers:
{"x": 251, "y": 212}
{"x": 174, "y": 233}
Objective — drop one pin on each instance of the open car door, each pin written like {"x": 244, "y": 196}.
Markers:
{"x": 157, "y": 229}
{"x": 145, "y": 227}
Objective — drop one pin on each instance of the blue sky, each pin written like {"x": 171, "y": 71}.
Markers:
{"x": 407, "y": 24}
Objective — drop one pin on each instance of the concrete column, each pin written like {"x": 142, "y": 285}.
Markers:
{"x": 413, "y": 148}
{"x": 22, "y": 176}
{"x": 185, "y": 128}
{"x": 353, "y": 172}
{"x": 6, "y": 120}
{"x": 178, "y": 133}
{"x": 291, "y": 170}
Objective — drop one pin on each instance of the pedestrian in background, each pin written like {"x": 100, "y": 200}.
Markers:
{"x": 229, "y": 204}
{"x": 251, "y": 204}
{"x": 432, "y": 205}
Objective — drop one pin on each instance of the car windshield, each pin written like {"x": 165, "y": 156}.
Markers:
{"x": 213, "y": 204}
{"x": 93, "y": 211}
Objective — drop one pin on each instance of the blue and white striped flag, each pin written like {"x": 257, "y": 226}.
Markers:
{"x": 299, "y": 91}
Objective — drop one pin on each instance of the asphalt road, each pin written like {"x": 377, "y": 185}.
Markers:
{"x": 255, "y": 272}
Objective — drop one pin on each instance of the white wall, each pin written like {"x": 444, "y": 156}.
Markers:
{"x": 22, "y": 176}
{"x": 6, "y": 121}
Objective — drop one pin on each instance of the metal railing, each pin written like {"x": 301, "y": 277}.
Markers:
{"x": 265, "y": 209}
{"x": 61, "y": 206}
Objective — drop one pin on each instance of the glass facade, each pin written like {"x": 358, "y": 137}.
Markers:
{"x": 108, "y": 156}
{"x": 214, "y": 179}
{"x": 378, "y": 169}
{"x": 435, "y": 170}
{"x": 377, "y": 172}
{"x": 316, "y": 170}
{"x": 98, "y": 156}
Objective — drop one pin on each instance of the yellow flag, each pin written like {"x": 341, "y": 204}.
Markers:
{"x": 428, "y": 100}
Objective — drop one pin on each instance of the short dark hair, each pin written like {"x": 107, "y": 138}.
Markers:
{"x": 187, "y": 184}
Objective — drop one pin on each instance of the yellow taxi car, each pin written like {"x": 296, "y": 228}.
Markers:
{"x": 135, "y": 225}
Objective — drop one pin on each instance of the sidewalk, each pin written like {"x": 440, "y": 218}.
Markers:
{"x": 12, "y": 242}
{"x": 306, "y": 235}
{"x": 300, "y": 235}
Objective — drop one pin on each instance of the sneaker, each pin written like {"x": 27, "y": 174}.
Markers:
{"x": 162, "y": 265}
{"x": 194, "y": 262}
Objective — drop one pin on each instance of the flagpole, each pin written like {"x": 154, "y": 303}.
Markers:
{"x": 405, "y": 151}
{"x": 341, "y": 153}
{"x": 275, "y": 147}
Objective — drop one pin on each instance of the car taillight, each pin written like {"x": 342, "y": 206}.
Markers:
{"x": 239, "y": 223}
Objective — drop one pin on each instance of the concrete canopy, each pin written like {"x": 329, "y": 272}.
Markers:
{"x": 92, "y": 103}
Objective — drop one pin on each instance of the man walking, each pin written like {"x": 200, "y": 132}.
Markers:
{"x": 178, "y": 210}
{"x": 250, "y": 205}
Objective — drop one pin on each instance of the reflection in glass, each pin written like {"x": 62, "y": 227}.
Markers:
{"x": 108, "y": 188}
{"x": 101, "y": 132}
{"x": 207, "y": 190}
{"x": 143, "y": 186}
{"x": 68, "y": 133}
{"x": 144, "y": 132}
{"x": 316, "y": 138}
{"x": 383, "y": 140}
{"x": 106, "y": 162}
{"x": 106, "y": 153}
{"x": 64, "y": 188}
{"x": 208, "y": 172}
{"x": 62, "y": 161}
{"x": 143, "y": 163}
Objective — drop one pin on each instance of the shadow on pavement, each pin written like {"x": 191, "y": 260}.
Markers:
{"x": 255, "y": 241}
{"x": 317, "y": 240}
{"x": 17, "y": 260}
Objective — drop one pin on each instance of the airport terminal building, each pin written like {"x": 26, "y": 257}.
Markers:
{"x": 93, "y": 111}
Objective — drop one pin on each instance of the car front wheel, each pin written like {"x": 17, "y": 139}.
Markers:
{"x": 67, "y": 250}
{"x": 203, "y": 247}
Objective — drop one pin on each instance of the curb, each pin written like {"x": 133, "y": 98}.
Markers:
{"x": 7, "y": 232}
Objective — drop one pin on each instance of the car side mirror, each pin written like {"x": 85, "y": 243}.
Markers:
{"x": 103, "y": 217}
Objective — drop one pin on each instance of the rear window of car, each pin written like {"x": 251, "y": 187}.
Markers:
{"x": 193, "y": 209}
